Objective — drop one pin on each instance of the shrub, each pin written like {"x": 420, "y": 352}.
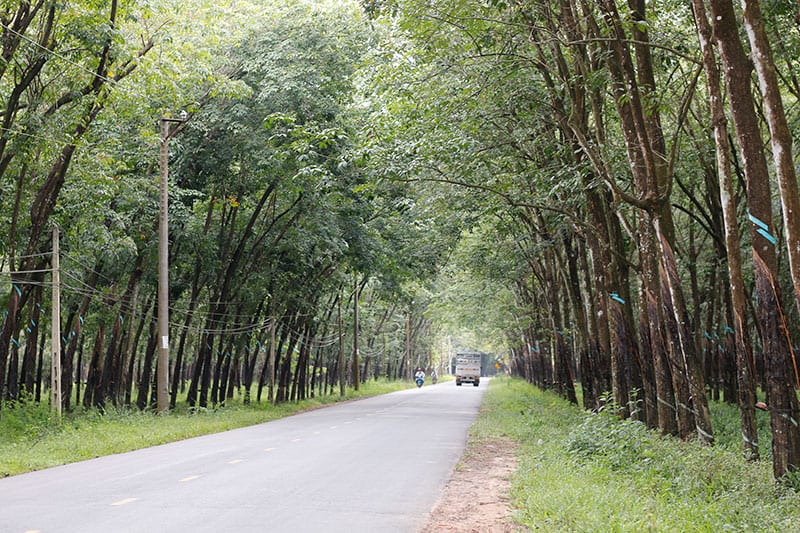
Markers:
{"x": 24, "y": 419}
{"x": 584, "y": 471}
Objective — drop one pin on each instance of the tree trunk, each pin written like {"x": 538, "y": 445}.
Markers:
{"x": 148, "y": 316}
{"x": 28, "y": 371}
{"x": 651, "y": 170}
{"x": 92, "y": 397}
{"x": 142, "y": 400}
{"x": 780, "y": 137}
{"x": 39, "y": 370}
{"x": 777, "y": 346}
{"x": 745, "y": 364}
{"x": 691, "y": 364}
{"x": 285, "y": 376}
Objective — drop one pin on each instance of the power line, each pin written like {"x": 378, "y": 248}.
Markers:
{"x": 233, "y": 327}
{"x": 31, "y": 283}
{"x": 20, "y": 272}
{"x": 27, "y": 256}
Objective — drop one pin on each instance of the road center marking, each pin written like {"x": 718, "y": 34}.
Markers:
{"x": 235, "y": 461}
{"x": 269, "y": 449}
{"x": 189, "y": 478}
{"x": 126, "y": 501}
{"x": 296, "y": 440}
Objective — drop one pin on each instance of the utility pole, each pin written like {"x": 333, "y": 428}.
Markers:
{"x": 356, "y": 363}
{"x": 271, "y": 360}
{"x": 55, "y": 330}
{"x": 340, "y": 366}
{"x": 162, "y": 366}
{"x": 408, "y": 345}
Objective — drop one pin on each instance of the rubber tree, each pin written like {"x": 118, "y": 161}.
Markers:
{"x": 745, "y": 362}
{"x": 776, "y": 342}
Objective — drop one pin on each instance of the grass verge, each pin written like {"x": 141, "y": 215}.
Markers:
{"x": 32, "y": 439}
{"x": 593, "y": 472}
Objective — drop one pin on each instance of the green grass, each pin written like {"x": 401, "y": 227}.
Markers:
{"x": 595, "y": 473}
{"x": 32, "y": 439}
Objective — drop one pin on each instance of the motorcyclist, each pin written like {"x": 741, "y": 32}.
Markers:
{"x": 434, "y": 376}
{"x": 419, "y": 374}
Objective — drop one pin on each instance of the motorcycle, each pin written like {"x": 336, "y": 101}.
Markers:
{"x": 420, "y": 381}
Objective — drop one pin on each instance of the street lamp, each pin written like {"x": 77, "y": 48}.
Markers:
{"x": 162, "y": 365}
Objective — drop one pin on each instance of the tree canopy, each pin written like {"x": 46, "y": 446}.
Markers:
{"x": 599, "y": 195}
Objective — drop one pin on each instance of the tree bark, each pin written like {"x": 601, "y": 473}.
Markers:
{"x": 775, "y": 336}
{"x": 651, "y": 169}
{"x": 780, "y": 137}
{"x": 142, "y": 400}
{"x": 745, "y": 364}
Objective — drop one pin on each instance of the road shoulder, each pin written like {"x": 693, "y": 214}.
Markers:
{"x": 476, "y": 498}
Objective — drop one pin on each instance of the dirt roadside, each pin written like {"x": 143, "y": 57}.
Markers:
{"x": 476, "y": 499}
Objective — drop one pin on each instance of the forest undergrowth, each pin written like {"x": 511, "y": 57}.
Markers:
{"x": 31, "y": 438}
{"x": 582, "y": 471}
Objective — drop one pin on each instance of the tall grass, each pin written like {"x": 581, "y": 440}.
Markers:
{"x": 594, "y": 472}
{"x": 31, "y": 438}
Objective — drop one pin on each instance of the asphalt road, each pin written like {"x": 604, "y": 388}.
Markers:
{"x": 373, "y": 465}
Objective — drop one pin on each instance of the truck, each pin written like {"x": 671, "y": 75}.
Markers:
{"x": 468, "y": 368}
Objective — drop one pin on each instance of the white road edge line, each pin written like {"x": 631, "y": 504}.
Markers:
{"x": 126, "y": 501}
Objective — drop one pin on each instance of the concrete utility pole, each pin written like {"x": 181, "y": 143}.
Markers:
{"x": 356, "y": 362}
{"x": 271, "y": 360}
{"x": 340, "y": 366}
{"x": 55, "y": 330}
{"x": 408, "y": 369}
{"x": 162, "y": 366}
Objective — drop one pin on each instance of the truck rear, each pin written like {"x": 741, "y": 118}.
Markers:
{"x": 468, "y": 368}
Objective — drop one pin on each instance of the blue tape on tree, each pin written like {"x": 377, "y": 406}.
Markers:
{"x": 763, "y": 228}
{"x": 767, "y": 235}
{"x": 617, "y": 297}
{"x": 758, "y": 222}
